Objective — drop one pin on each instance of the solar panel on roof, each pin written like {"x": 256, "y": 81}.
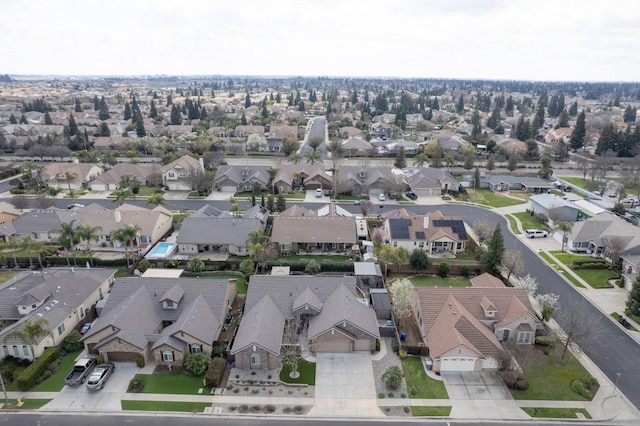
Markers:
{"x": 457, "y": 226}
{"x": 400, "y": 228}
{"x": 420, "y": 235}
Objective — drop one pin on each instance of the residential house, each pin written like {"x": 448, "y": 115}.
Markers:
{"x": 381, "y": 130}
{"x": 277, "y": 134}
{"x": 410, "y": 148}
{"x": 432, "y": 232}
{"x": 238, "y": 178}
{"x": 328, "y": 229}
{"x": 349, "y": 132}
{"x": 605, "y": 235}
{"x": 554, "y": 207}
{"x": 62, "y": 297}
{"x": 177, "y": 175}
{"x": 8, "y": 212}
{"x": 462, "y": 327}
{"x": 556, "y": 135}
{"x": 308, "y": 177}
{"x": 327, "y": 309}
{"x": 69, "y": 175}
{"x": 210, "y": 231}
{"x": 432, "y": 182}
{"x": 41, "y": 225}
{"x": 486, "y": 280}
{"x": 154, "y": 224}
{"x": 110, "y": 180}
{"x": 630, "y": 270}
{"x": 244, "y": 131}
{"x": 501, "y": 183}
{"x": 110, "y": 143}
{"x": 356, "y": 147}
{"x": 370, "y": 180}
{"x": 161, "y": 320}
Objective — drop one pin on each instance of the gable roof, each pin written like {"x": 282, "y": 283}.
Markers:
{"x": 186, "y": 162}
{"x": 218, "y": 230}
{"x": 262, "y": 325}
{"x": 307, "y": 299}
{"x": 486, "y": 280}
{"x": 429, "y": 227}
{"x": 197, "y": 320}
{"x": 602, "y": 229}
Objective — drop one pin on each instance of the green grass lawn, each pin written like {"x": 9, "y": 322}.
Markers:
{"x": 596, "y": 278}
{"x": 557, "y": 266}
{"x": 55, "y": 383}
{"x": 5, "y": 275}
{"x": 307, "y": 372}
{"x": 467, "y": 255}
{"x": 316, "y": 257}
{"x": 440, "y": 411}
{"x": 489, "y": 198}
{"x": 188, "y": 407}
{"x": 419, "y": 385}
{"x": 241, "y": 286}
{"x": 577, "y": 181}
{"x": 513, "y": 224}
{"x": 170, "y": 383}
{"x": 439, "y": 282}
{"x": 28, "y": 404}
{"x": 555, "y": 413}
{"x": 528, "y": 221}
{"x": 549, "y": 379}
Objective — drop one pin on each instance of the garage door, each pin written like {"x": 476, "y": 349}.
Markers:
{"x": 336, "y": 346}
{"x": 362, "y": 345}
{"x": 231, "y": 189}
{"x": 457, "y": 364}
{"x": 122, "y": 356}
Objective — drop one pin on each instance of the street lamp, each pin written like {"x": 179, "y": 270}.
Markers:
{"x": 615, "y": 386}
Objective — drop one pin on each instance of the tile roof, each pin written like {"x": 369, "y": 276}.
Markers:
{"x": 486, "y": 280}
{"x": 214, "y": 230}
{"x": 307, "y": 299}
{"x": 262, "y": 325}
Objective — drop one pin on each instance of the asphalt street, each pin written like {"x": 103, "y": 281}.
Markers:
{"x": 318, "y": 129}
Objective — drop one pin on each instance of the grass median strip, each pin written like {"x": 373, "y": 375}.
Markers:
{"x": 438, "y": 411}
{"x": 27, "y": 404}
{"x": 556, "y": 413}
{"x": 188, "y": 407}
{"x": 513, "y": 224}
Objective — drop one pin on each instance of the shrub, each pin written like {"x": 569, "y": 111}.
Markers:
{"x": 381, "y": 395}
{"x": 214, "y": 373}
{"x": 402, "y": 354}
{"x": 143, "y": 265}
{"x": 579, "y": 388}
{"x": 443, "y": 270}
{"x": 139, "y": 361}
{"x": 394, "y": 346}
{"x": 392, "y": 377}
{"x": 196, "y": 364}
{"x": 591, "y": 381}
{"x": 30, "y": 376}
{"x": 377, "y": 345}
{"x": 522, "y": 384}
{"x": 390, "y": 395}
{"x": 547, "y": 340}
{"x": 464, "y": 271}
{"x": 72, "y": 342}
{"x": 247, "y": 267}
{"x": 100, "y": 359}
{"x": 588, "y": 260}
{"x": 269, "y": 408}
{"x": 135, "y": 386}
{"x": 195, "y": 265}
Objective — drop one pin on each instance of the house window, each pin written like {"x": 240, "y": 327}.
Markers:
{"x": 196, "y": 349}
{"x": 524, "y": 337}
{"x": 247, "y": 187}
{"x": 167, "y": 356}
{"x": 33, "y": 306}
{"x": 25, "y": 350}
{"x": 145, "y": 239}
{"x": 503, "y": 335}
{"x": 61, "y": 329}
{"x": 241, "y": 250}
{"x": 5, "y": 350}
{"x": 255, "y": 360}
{"x": 421, "y": 245}
{"x": 16, "y": 352}
{"x": 169, "y": 304}
{"x": 285, "y": 247}
{"x": 182, "y": 175}
{"x": 458, "y": 246}
{"x": 171, "y": 175}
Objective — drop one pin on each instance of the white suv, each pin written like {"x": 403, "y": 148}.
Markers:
{"x": 533, "y": 233}
{"x": 381, "y": 197}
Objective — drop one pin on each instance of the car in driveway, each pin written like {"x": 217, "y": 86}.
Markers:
{"x": 536, "y": 233}
{"x": 99, "y": 376}
{"x": 411, "y": 195}
{"x": 85, "y": 328}
{"x": 319, "y": 193}
{"x": 381, "y": 197}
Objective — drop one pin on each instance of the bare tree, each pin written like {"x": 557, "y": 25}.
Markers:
{"x": 578, "y": 326}
{"x": 483, "y": 230}
{"x": 366, "y": 207}
{"x": 512, "y": 263}
{"x": 615, "y": 245}
{"x": 584, "y": 166}
{"x": 295, "y": 330}
{"x": 199, "y": 181}
{"x": 401, "y": 299}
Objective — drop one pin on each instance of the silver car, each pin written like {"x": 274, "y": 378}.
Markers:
{"x": 100, "y": 375}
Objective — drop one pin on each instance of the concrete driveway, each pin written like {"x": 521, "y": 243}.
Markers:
{"x": 485, "y": 394}
{"x": 345, "y": 386}
{"x": 78, "y": 398}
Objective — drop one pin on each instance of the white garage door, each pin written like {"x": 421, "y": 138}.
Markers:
{"x": 229, "y": 188}
{"x": 457, "y": 364}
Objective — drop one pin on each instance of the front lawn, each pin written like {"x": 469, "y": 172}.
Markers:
{"x": 419, "y": 385}
{"x": 548, "y": 378}
{"x": 555, "y": 413}
{"x": 437, "y": 411}
{"x": 616, "y": 316}
{"x": 187, "y": 407}
{"x": 27, "y": 404}
{"x": 492, "y": 199}
{"x": 529, "y": 222}
{"x": 170, "y": 383}
{"x": 440, "y": 282}
{"x": 579, "y": 182}
{"x": 55, "y": 383}
{"x": 596, "y": 278}
{"x": 557, "y": 266}
{"x": 307, "y": 372}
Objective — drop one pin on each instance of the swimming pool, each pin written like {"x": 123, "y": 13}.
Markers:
{"x": 162, "y": 251}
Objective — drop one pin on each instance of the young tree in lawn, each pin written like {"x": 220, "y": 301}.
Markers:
{"x": 401, "y": 299}
{"x": 30, "y": 332}
{"x": 295, "y": 331}
{"x": 483, "y": 230}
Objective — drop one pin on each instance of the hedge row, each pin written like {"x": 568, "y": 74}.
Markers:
{"x": 589, "y": 260}
{"x": 81, "y": 261}
{"x": 591, "y": 265}
{"x": 213, "y": 376}
{"x": 578, "y": 387}
{"x": 325, "y": 266}
{"x": 32, "y": 373}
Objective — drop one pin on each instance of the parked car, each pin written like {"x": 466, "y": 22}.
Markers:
{"x": 80, "y": 371}
{"x": 327, "y": 192}
{"x": 630, "y": 202}
{"x": 392, "y": 196}
{"x": 85, "y": 328}
{"x": 536, "y": 233}
{"x": 100, "y": 375}
{"x": 319, "y": 193}
{"x": 357, "y": 202}
{"x": 381, "y": 197}
{"x": 74, "y": 205}
{"x": 411, "y": 195}
{"x": 613, "y": 194}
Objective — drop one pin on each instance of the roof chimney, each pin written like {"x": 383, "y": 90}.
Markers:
{"x": 117, "y": 216}
{"x": 425, "y": 222}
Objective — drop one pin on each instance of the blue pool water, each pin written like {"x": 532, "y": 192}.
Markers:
{"x": 162, "y": 250}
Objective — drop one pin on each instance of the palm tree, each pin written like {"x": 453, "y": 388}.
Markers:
{"x": 565, "y": 228}
{"x": 126, "y": 235}
{"x": 121, "y": 196}
{"x": 157, "y": 199}
{"x": 69, "y": 177}
{"x": 420, "y": 159}
{"x": 28, "y": 168}
{"x": 313, "y": 157}
{"x": 52, "y": 191}
{"x": 294, "y": 158}
{"x": 30, "y": 333}
{"x": 89, "y": 233}
{"x": 126, "y": 181}
{"x": 67, "y": 237}
{"x": 27, "y": 243}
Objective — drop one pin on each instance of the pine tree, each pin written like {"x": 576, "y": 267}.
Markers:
{"x": 104, "y": 110}
{"x": 243, "y": 119}
{"x": 153, "y": 113}
{"x": 629, "y": 114}
{"x": 512, "y": 163}
{"x": 508, "y": 108}
{"x": 633, "y": 300}
{"x": 401, "y": 160}
{"x": 492, "y": 259}
{"x": 477, "y": 126}
{"x": 247, "y": 101}
{"x": 23, "y": 119}
{"x": 577, "y": 136}
{"x": 169, "y": 100}
{"x": 104, "y": 130}
{"x": 573, "y": 109}
{"x": 494, "y": 120}
{"x": 563, "y": 120}
{"x": 140, "y": 130}
{"x": 96, "y": 103}
{"x": 47, "y": 119}
{"x": 264, "y": 113}
{"x": 127, "y": 111}
{"x": 538, "y": 120}
{"x": 73, "y": 126}
{"x": 78, "y": 105}
{"x": 176, "y": 115}
{"x": 460, "y": 105}
{"x": 13, "y": 119}
{"x": 608, "y": 140}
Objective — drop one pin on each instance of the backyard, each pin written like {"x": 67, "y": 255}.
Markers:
{"x": 489, "y": 198}
{"x": 429, "y": 281}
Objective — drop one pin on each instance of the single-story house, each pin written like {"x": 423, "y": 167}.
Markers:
{"x": 554, "y": 207}
{"x": 605, "y": 235}
{"x": 62, "y": 297}
{"x": 463, "y": 326}
{"x": 365, "y": 180}
{"x": 8, "y": 212}
{"x": 432, "y": 182}
{"x": 41, "y": 224}
{"x": 630, "y": 270}
{"x": 530, "y": 184}
{"x": 327, "y": 313}
{"x": 69, "y": 175}
{"x": 110, "y": 180}
{"x": 161, "y": 319}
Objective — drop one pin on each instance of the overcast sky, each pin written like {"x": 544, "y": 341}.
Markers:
{"x": 481, "y": 39}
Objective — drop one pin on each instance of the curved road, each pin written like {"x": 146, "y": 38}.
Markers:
{"x": 613, "y": 351}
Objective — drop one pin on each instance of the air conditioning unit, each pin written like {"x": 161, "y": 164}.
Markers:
{"x": 588, "y": 251}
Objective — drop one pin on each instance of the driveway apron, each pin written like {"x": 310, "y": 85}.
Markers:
{"x": 345, "y": 386}
{"x": 78, "y": 398}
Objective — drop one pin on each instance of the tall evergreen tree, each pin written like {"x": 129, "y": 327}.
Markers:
{"x": 573, "y": 109}
{"x": 23, "y": 119}
{"x": 630, "y": 114}
{"x": 169, "y": 100}
{"x": 401, "y": 160}
{"x": 104, "y": 130}
{"x": 104, "y": 110}
{"x": 577, "y": 136}
{"x": 153, "y": 112}
{"x": 508, "y": 107}
{"x": 247, "y": 101}
{"x": 78, "y": 105}
{"x": 460, "y": 104}
{"x": 73, "y": 126}
{"x": 47, "y": 119}
{"x": 127, "y": 111}
{"x": 140, "y": 130}
{"x": 494, "y": 120}
{"x": 176, "y": 115}
{"x": 538, "y": 120}
{"x": 492, "y": 259}
{"x": 96, "y": 103}
{"x": 608, "y": 140}
{"x": 476, "y": 125}
{"x": 563, "y": 120}
{"x": 13, "y": 119}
